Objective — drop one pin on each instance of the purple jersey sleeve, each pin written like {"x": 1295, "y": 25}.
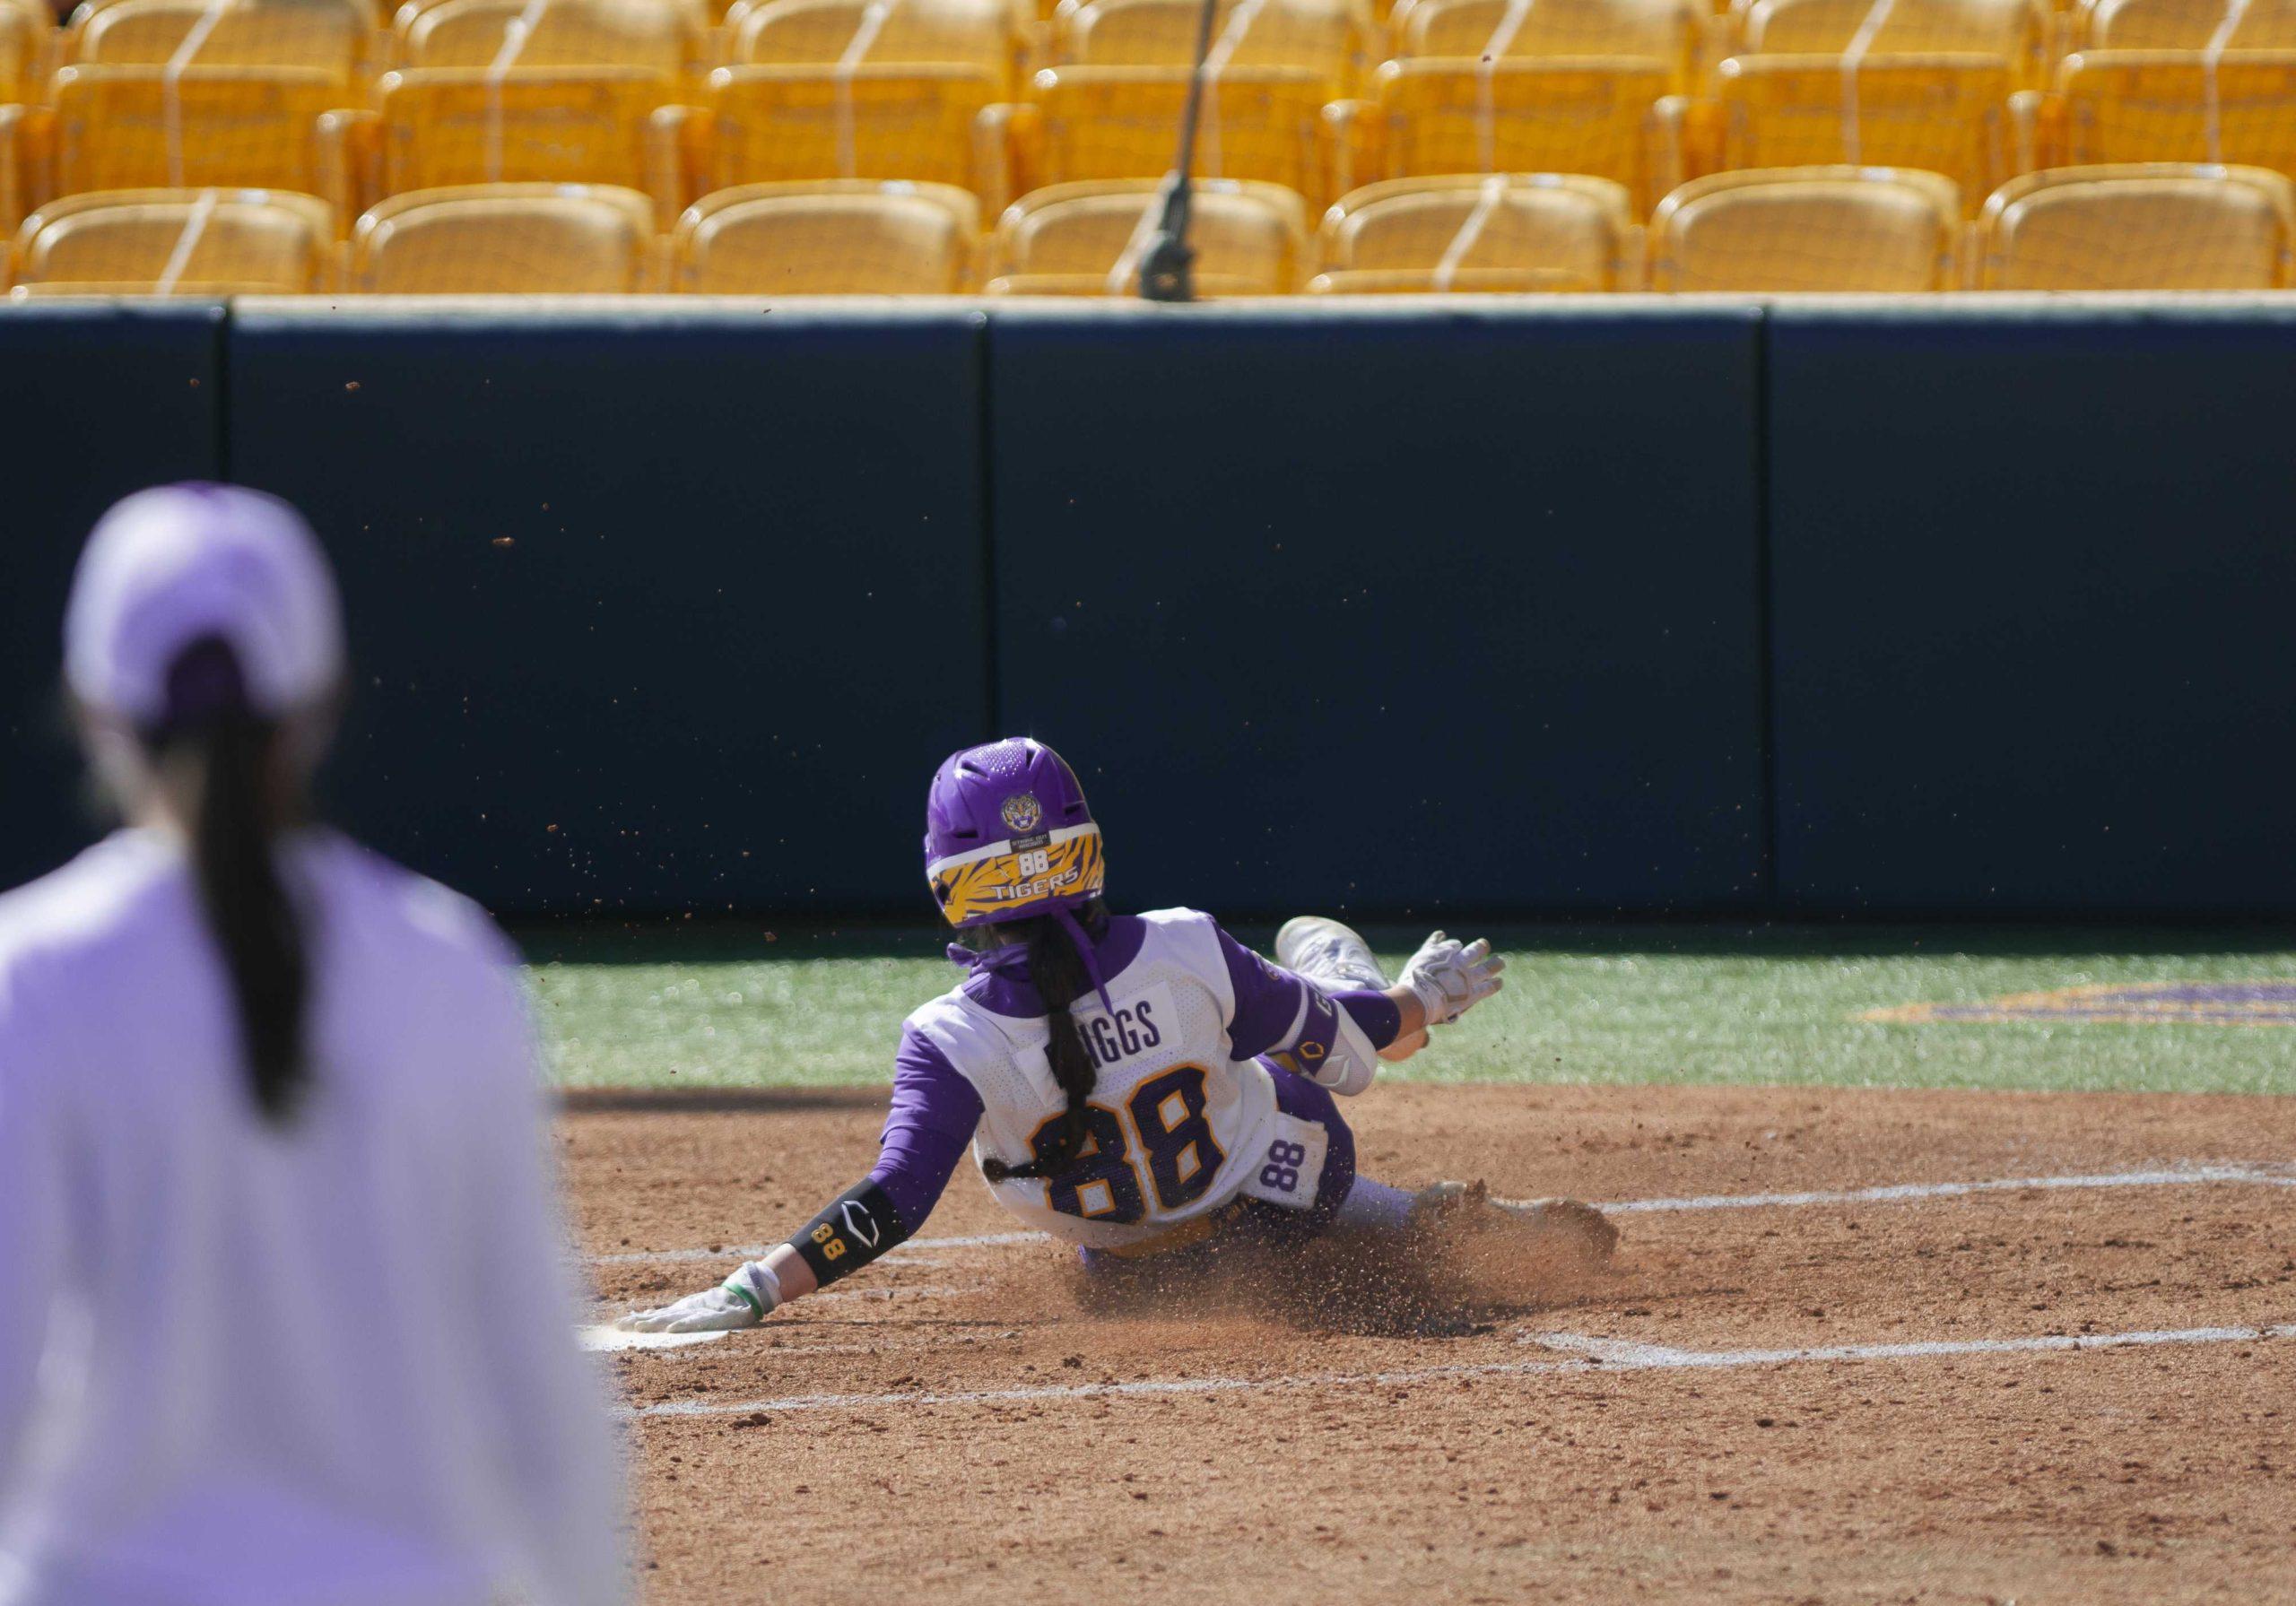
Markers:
{"x": 1268, "y": 1005}
{"x": 934, "y": 1110}
{"x": 1379, "y": 1016}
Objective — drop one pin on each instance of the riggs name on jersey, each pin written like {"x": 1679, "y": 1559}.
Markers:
{"x": 1137, "y": 1028}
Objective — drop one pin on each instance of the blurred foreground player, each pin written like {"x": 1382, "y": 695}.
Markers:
{"x": 1141, "y": 1086}
{"x": 271, "y": 1152}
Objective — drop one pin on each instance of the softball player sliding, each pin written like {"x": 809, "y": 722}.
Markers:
{"x": 1137, "y": 1085}
{"x": 270, "y": 1152}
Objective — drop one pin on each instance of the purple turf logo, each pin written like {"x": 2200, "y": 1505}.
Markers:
{"x": 2124, "y": 1003}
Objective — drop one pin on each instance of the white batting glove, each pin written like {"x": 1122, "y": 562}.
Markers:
{"x": 1451, "y": 977}
{"x": 743, "y": 1300}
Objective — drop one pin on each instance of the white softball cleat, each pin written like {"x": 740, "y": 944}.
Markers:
{"x": 1335, "y": 955}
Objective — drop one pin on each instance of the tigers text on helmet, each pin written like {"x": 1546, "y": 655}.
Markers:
{"x": 1008, "y": 835}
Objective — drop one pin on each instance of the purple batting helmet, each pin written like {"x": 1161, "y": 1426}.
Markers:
{"x": 1008, "y": 835}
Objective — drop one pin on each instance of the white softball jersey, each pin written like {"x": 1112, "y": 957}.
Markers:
{"x": 331, "y": 1364}
{"x": 1178, "y": 1129}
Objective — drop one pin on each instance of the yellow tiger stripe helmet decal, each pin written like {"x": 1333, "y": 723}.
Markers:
{"x": 1028, "y": 875}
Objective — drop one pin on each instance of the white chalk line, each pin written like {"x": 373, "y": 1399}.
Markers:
{"x": 2178, "y": 1176}
{"x": 900, "y": 1256}
{"x": 2173, "y": 1177}
{"x": 1592, "y": 1355}
{"x": 895, "y": 1291}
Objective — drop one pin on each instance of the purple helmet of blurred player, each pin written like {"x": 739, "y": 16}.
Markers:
{"x": 1008, "y": 835}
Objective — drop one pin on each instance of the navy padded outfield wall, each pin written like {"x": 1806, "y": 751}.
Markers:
{"x": 1540, "y": 607}
{"x": 654, "y": 608}
{"x": 1427, "y": 609}
{"x": 2034, "y": 574}
{"x": 95, "y": 400}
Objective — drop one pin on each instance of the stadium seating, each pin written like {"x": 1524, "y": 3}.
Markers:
{"x": 17, "y": 194}
{"x": 1610, "y": 117}
{"x": 2011, "y": 30}
{"x": 141, "y": 127}
{"x": 2122, "y": 106}
{"x": 852, "y": 33}
{"x": 757, "y": 124}
{"x": 1259, "y": 123}
{"x": 1501, "y": 232}
{"x": 1808, "y": 228}
{"x": 164, "y": 241}
{"x": 1085, "y": 238}
{"x": 1946, "y": 113}
{"x": 443, "y": 126}
{"x": 1667, "y": 32}
{"x": 1331, "y": 37}
{"x": 655, "y": 35}
{"x": 506, "y": 238}
{"x": 2161, "y": 226}
{"x": 327, "y": 36}
{"x": 2185, "y": 25}
{"x": 836, "y": 236}
{"x": 24, "y": 46}
{"x": 806, "y": 147}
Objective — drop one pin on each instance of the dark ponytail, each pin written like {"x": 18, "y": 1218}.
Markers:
{"x": 229, "y": 757}
{"x": 1057, "y": 972}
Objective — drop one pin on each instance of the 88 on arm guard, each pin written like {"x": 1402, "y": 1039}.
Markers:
{"x": 859, "y": 1225}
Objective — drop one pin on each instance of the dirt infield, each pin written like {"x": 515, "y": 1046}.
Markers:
{"x": 2065, "y": 1393}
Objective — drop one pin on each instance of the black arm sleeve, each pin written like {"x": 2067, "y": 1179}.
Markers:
{"x": 859, "y": 1225}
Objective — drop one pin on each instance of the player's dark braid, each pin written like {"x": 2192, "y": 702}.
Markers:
{"x": 233, "y": 755}
{"x": 1058, "y": 971}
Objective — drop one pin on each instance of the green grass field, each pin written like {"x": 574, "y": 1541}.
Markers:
{"x": 731, "y": 1006}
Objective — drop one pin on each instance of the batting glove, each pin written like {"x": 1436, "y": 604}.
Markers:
{"x": 1451, "y": 977}
{"x": 743, "y": 1300}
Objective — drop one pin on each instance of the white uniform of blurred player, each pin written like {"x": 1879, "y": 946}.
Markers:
{"x": 271, "y": 1152}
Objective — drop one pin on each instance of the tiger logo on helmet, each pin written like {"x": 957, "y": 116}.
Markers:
{"x": 1008, "y": 835}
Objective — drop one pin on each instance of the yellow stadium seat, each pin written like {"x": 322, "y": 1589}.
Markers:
{"x": 1085, "y": 238}
{"x": 2187, "y": 25}
{"x": 443, "y": 126}
{"x": 1540, "y": 231}
{"x": 1808, "y": 228}
{"x": 655, "y": 35}
{"x": 329, "y": 36}
{"x": 1329, "y": 38}
{"x": 835, "y": 237}
{"x": 24, "y": 157}
{"x": 164, "y": 241}
{"x": 2122, "y": 106}
{"x": 828, "y": 33}
{"x": 1611, "y": 117}
{"x": 146, "y": 127}
{"x": 376, "y": 13}
{"x": 197, "y": 290}
{"x": 507, "y": 238}
{"x": 779, "y": 125}
{"x": 1662, "y": 31}
{"x": 2005, "y": 28}
{"x": 2156, "y": 226}
{"x": 23, "y": 46}
{"x": 1258, "y": 122}
{"x": 1942, "y": 114}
